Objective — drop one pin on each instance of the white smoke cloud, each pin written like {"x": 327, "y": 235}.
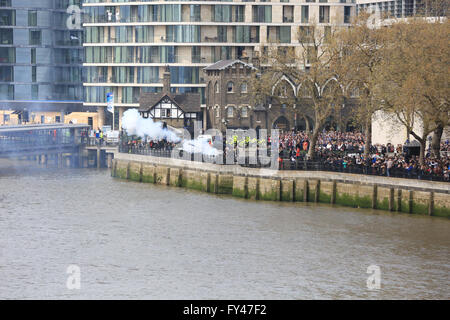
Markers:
{"x": 199, "y": 145}
{"x": 134, "y": 124}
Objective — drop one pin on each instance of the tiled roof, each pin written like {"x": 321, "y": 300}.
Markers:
{"x": 188, "y": 102}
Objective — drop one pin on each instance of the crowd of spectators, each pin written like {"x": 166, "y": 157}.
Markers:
{"x": 344, "y": 151}
{"x": 337, "y": 151}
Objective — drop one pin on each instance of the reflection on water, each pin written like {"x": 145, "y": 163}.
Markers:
{"x": 135, "y": 240}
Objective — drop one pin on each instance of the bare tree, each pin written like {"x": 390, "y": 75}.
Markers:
{"x": 312, "y": 66}
{"x": 415, "y": 77}
{"x": 359, "y": 66}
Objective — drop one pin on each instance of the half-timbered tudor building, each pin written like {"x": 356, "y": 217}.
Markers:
{"x": 178, "y": 110}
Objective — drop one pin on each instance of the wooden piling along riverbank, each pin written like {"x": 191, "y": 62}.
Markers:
{"x": 351, "y": 190}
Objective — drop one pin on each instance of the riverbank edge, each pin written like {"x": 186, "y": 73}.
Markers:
{"x": 350, "y": 190}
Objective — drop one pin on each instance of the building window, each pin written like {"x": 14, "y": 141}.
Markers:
{"x": 33, "y": 55}
{"x": 34, "y": 91}
{"x": 7, "y": 55}
{"x": 35, "y": 37}
{"x": 6, "y": 74}
{"x": 305, "y": 14}
{"x": 216, "y": 88}
{"x": 6, "y": 36}
{"x": 32, "y": 18}
{"x": 230, "y": 111}
{"x": 7, "y": 17}
{"x": 262, "y": 14}
{"x": 244, "y": 112}
{"x": 33, "y": 74}
{"x": 324, "y": 14}
{"x": 244, "y": 87}
{"x": 230, "y": 87}
{"x": 347, "y": 12}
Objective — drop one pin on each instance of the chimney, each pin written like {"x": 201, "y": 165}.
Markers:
{"x": 166, "y": 80}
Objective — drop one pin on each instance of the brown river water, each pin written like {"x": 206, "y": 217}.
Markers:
{"x": 141, "y": 241}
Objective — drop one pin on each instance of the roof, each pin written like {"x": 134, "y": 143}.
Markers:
{"x": 188, "y": 102}
{"x": 223, "y": 64}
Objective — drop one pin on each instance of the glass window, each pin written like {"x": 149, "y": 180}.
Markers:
{"x": 230, "y": 86}
{"x": 33, "y": 74}
{"x": 244, "y": 87}
{"x": 7, "y": 91}
{"x": 262, "y": 14}
{"x": 35, "y": 37}
{"x": 347, "y": 12}
{"x": 144, "y": 34}
{"x": 244, "y": 112}
{"x": 183, "y": 33}
{"x": 324, "y": 14}
{"x": 216, "y": 87}
{"x": 222, "y": 34}
{"x": 196, "y": 55}
{"x": 148, "y": 74}
{"x": 230, "y": 110}
{"x": 170, "y": 13}
{"x": 305, "y": 14}
{"x": 284, "y": 34}
{"x": 7, "y": 55}
{"x": 184, "y": 75}
{"x": 7, "y": 17}
{"x": 6, "y": 36}
{"x": 6, "y": 74}
{"x": 32, "y": 18}
{"x": 222, "y": 13}
{"x": 195, "y": 13}
{"x": 34, "y": 91}
{"x": 242, "y": 34}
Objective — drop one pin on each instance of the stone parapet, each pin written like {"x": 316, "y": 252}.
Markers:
{"x": 359, "y": 191}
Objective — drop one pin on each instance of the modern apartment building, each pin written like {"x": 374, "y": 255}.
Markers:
{"x": 40, "y": 58}
{"x": 403, "y": 8}
{"x": 128, "y": 44}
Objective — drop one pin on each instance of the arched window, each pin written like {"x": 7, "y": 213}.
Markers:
{"x": 216, "y": 88}
{"x": 230, "y": 86}
{"x": 230, "y": 111}
{"x": 244, "y": 87}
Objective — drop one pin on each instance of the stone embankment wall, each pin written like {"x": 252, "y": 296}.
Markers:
{"x": 392, "y": 194}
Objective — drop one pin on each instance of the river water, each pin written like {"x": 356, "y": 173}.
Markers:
{"x": 143, "y": 241}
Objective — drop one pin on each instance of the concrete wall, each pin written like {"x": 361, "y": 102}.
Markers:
{"x": 358, "y": 191}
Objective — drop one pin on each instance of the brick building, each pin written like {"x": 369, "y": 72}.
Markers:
{"x": 229, "y": 103}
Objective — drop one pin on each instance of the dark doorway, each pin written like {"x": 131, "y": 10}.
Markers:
{"x": 281, "y": 123}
